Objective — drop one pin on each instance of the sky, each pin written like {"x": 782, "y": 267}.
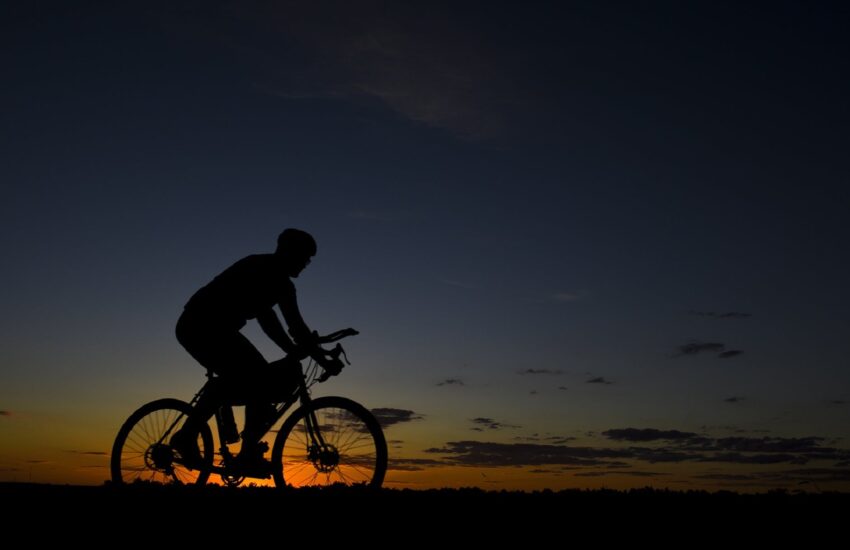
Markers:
{"x": 586, "y": 244}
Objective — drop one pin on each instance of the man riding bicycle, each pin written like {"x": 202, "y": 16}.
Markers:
{"x": 209, "y": 329}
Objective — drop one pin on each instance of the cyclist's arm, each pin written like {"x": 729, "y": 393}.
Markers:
{"x": 271, "y": 326}
{"x": 298, "y": 329}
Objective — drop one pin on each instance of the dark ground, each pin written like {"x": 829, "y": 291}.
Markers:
{"x": 148, "y": 513}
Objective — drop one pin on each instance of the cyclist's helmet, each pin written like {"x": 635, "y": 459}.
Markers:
{"x": 296, "y": 242}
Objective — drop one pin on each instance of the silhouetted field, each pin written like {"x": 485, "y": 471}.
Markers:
{"x": 222, "y": 514}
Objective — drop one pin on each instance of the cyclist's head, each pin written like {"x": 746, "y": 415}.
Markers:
{"x": 296, "y": 247}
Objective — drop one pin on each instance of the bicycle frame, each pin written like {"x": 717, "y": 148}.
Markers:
{"x": 301, "y": 394}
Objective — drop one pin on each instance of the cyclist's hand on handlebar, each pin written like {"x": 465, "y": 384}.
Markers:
{"x": 332, "y": 361}
{"x": 332, "y": 365}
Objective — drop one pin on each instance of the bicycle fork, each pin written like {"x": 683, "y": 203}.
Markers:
{"x": 324, "y": 456}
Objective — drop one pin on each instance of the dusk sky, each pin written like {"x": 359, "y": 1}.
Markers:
{"x": 587, "y": 244}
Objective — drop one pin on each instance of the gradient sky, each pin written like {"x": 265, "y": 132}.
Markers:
{"x": 587, "y": 244}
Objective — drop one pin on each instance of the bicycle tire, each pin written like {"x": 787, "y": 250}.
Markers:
{"x": 141, "y": 452}
{"x": 355, "y": 452}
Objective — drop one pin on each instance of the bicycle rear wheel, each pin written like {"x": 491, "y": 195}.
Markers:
{"x": 142, "y": 450}
{"x": 344, "y": 446}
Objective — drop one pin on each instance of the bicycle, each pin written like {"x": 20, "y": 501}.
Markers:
{"x": 328, "y": 440}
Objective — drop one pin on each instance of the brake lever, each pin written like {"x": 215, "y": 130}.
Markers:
{"x": 338, "y": 350}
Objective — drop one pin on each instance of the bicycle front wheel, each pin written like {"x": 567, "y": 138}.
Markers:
{"x": 142, "y": 451}
{"x": 333, "y": 440}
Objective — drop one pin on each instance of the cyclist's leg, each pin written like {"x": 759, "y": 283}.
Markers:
{"x": 209, "y": 347}
{"x": 267, "y": 384}
{"x": 218, "y": 350}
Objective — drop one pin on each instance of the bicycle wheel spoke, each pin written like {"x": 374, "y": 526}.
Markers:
{"x": 344, "y": 445}
{"x": 141, "y": 452}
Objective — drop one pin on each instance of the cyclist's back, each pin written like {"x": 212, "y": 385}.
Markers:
{"x": 243, "y": 291}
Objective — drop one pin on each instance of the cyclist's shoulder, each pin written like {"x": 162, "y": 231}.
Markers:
{"x": 257, "y": 262}
{"x": 266, "y": 271}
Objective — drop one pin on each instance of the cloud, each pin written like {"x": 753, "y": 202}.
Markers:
{"x": 389, "y": 417}
{"x": 562, "y": 387}
{"x": 490, "y": 424}
{"x": 730, "y": 353}
{"x": 413, "y": 464}
{"x": 727, "y": 315}
{"x": 635, "y": 473}
{"x": 489, "y": 454}
{"x": 768, "y": 444}
{"x": 675, "y": 447}
{"x": 440, "y": 70}
{"x": 552, "y": 439}
{"x": 733, "y": 399}
{"x": 769, "y": 458}
{"x": 727, "y": 477}
{"x": 647, "y": 434}
{"x": 599, "y": 380}
{"x": 533, "y": 392}
{"x": 5, "y": 413}
{"x": 694, "y": 348}
{"x": 838, "y": 402}
{"x": 811, "y": 474}
{"x": 451, "y": 382}
{"x": 545, "y": 471}
{"x": 541, "y": 371}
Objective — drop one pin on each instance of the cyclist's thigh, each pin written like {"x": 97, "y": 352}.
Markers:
{"x": 225, "y": 351}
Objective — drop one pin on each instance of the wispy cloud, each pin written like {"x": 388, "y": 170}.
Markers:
{"x": 634, "y": 473}
{"x": 489, "y": 454}
{"x": 451, "y": 382}
{"x": 551, "y": 440}
{"x": 413, "y": 464}
{"x": 599, "y": 380}
{"x": 541, "y": 371}
{"x": 389, "y": 416}
{"x": 450, "y": 73}
{"x": 490, "y": 424}
{"x": 697, "y": 348}
{"x": 727, "y": 477}
{"x": 659, "y": 447}
{"x": 721, "y": 315}
{"x": 5, "y": 413}
{"x": 694, "y": 348}
{"x": 733, "y": 399}
{"x": 647, "y": 434}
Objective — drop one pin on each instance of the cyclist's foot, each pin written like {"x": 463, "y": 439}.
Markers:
{"x": 250, "y": 460}
{"x": 185, "y": 442}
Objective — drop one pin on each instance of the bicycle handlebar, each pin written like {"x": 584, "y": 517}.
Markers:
{"x": 335, "y": 366}
{"x": 338, "y": 335}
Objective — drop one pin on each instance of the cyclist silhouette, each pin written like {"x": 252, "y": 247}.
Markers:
{"x": 209, "y": 329}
